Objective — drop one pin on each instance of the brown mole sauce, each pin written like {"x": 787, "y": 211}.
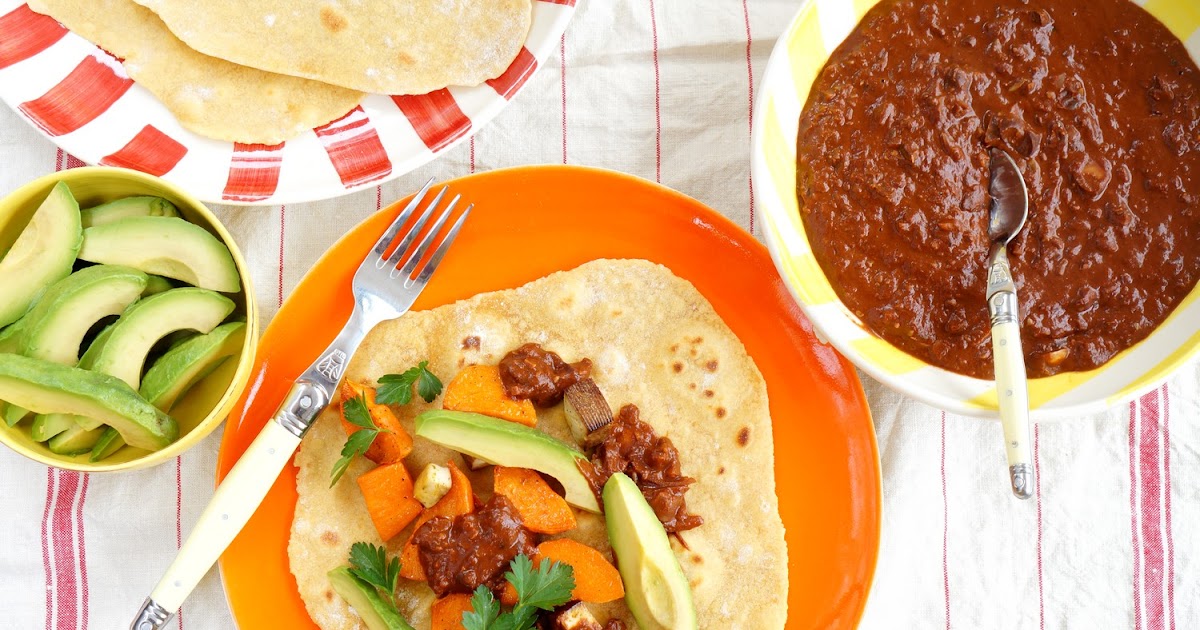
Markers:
{"x": 1100, "y": 106}
{"x": 630, "y": 446}
{"x": 458, "y": 553}
{"x": 533, "y": 373}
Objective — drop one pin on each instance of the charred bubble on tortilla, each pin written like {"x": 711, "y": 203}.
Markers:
{"x": 432, "y": 484}
{"x": 586, "y": 409}
{"x": 540, "y": 376}
{"x": 631, "y": 446}
{"x": 460, "y": 553}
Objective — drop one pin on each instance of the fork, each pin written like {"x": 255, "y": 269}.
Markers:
{"x": 385, "y": 287}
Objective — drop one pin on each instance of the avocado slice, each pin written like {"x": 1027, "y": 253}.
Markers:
{"x": 88, "y": 424}
{"x": 75, "y": 441}
{"x": 189, "y": 361}
{"x": 46, "y": 387}
{"x": 150, "y": 319}
{"x": 48, "y": 425}
{"x": 110, "y": 442}
{"x": 365, "y": 600}
{"x": 166, "y": 246}
{"x": 42, "y": 255}
{"x": 656, "y": 591}
{"x": 69, "y": 308}
{"x": 128, "y": 207}
{"x": 510, "y": 444}
{"x": 156, "y": 284}
{"x": 10, "y": 336}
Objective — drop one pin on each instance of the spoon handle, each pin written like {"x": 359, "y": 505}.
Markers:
{"x": 1011, "y": 388}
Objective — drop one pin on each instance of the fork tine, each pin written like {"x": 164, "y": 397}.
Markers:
{"x": 411, "y": 235}
{"x": 390, "y": 234}
{"x": 440, "y": 252}
{"x": 423, "y": 246}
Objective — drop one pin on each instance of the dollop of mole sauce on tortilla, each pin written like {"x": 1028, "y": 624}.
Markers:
{"x": 1098, "y": 103}
{"x": 459, "y": 553}
{"x": 535, "y": 374}
{"x": 630, "y": 446}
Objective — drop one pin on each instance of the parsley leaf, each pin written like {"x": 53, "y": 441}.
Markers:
{"x": 370, "y": 564}
{"x": 543, "y": 588}
{"x": 486, "y": 610}
{"x": 355, "y": 411}
{"x": 396, "y": 389}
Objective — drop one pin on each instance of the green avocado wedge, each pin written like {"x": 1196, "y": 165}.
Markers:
{"x": 150, "y": 319}
{"x": 42, "y": 255}
{"x": 46, "y": 387}
{"x": 156, "y": 284}
{"x": 10, "y": 336}
{"x": 365, "y": 600}
{"x": 48, "y": 425}
{"x": 510, "y": 444}
{"x": 128, "y": 207}
{"x": 75, "y": 441}
{"x": 69, "y": 309}
{"x": 656, "y": 590}
{"x": 189, "y": 361}
{"x": 110, "y": 442}
{"x": 165, "y": 246}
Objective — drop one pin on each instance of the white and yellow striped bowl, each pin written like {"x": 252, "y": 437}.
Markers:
{"x": 799, "y": 55}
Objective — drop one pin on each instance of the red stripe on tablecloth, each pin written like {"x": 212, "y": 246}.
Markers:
{"x": 657, "y": 98}
{"x": 150, "y": 151}
{"x": 179, "y": 519}
{"x": 1133, "y": 518}
{"x": 282, "y": 224}
{"x": 1166, "y": 412}
{"x": 750, "y": 110}
{"x": 354, "y": 148}
{"x": 1150, "y": 512}
{"x": 562, "y": 61}
{"x": 81, "y": 547}
{"x": 66, "y": 594}
{"x": 945, "y": 528}
{"x": 253, "y": 171}
{"x": 516, "y": 75}
{"x": 568, "y": 3}
{"x": 24, "y": 33}
{"x": 88, "y": 91}
{"x": 73, "y": 162}
{"x": 1037, "y": 488}
{"x": 472, "y": 142}
{"x": 436, "y": 117}
{"x": 47, "y": 567}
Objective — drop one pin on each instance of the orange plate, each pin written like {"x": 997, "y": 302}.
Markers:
{"x": 527, "y": 223}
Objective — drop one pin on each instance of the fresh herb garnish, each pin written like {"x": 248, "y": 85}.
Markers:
{"x": 370, "y": 564}
{"x": 355, "y": 412}
{"x": 396, "y": 389}
{"x": 543, "y": 588}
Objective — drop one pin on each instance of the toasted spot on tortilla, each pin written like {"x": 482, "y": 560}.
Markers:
{"x": 329, "y": 537}
{"x": 720, "y": 412}
{"x": 721, "y": 470}
{"x": 677, "y": 366}
{"x": 470, "y": 343}
{"x": 697, "y": 560}
{"x": 616, "y": 313}
{"x": 743, "y": 436}
{"x": 328, "y": 595}
{"x": 708, "y": 393}
{"x": 691, "y": 386}
{"x": 332, "y": 19}
{"x": 711, "y": 366}
{"x": 696, "y": 340}
{"x": 674, "y": 347}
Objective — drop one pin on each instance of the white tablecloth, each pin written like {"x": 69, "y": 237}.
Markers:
{"x": 663, "y": 90}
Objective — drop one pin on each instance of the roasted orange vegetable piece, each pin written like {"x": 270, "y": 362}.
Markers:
{"x": 448, "y": 611}
{"x": 388, "y": 448}
{"x": 596, "y": 580}
{"x": 458, "y": 501}
{"x": 541, "y": 509}
{"x": 388, "y": 493}
{"x": 478, "y": 389}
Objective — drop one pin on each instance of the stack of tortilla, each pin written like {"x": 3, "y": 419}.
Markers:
{"x": 263, "y": 72}
{"x": 654, "y": 341}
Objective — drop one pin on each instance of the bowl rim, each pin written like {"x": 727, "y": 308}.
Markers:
{"x": 900, "y": 382}
{"x": 241, "y": 375}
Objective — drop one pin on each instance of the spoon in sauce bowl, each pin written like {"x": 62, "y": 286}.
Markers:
{"x": 1007, "y": 212}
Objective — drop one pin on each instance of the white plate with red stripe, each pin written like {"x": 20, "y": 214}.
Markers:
{"x": 79, "y": 97}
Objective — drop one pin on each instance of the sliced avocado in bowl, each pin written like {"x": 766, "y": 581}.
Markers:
{"x": 110, "y": 442}
{"x": 165, "y": 246}
{"x": 189, "y": 361}
{"x": 42, "y": 255}
{"x": 656, "y": 590}
{"x": 48, "y": 425}
{"x": 46, "y": 387}
{"x": 10, "y": 336}
{"x": 128, "y": 207}
{"x": 156, "y": 284}
{"x": 365, "y": 600}
{"x": 75, "y": 441}
{"x": 510, "y": 444}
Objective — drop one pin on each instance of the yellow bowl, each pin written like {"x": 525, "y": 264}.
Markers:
{"x": 206, "y": 404}
{"x": 800, "y": 53}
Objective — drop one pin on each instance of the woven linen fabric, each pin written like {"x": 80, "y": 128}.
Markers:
{"x": 663, "y": 90}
